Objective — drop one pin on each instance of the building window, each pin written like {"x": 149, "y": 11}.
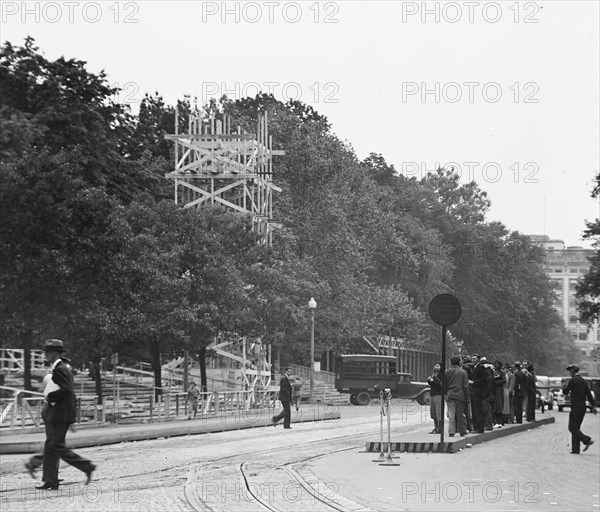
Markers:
{"x": 558, "y": 270}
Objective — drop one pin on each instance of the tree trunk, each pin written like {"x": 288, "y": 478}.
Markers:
{"x": 27, "y": 343}
{"x": 97, "y": 376}
{"x": 202, "y": 361}
{"x": 156, "y": 367}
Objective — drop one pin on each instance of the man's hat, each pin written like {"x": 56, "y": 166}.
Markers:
{"x": 573, "y": 367}
{"x": 483, "y": 359}
{"x": 475, "y": 355}
{"x": 54, "y": 345}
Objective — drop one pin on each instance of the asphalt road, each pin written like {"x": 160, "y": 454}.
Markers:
{"x": 322, "y": 466}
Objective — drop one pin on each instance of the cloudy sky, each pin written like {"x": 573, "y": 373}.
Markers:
{"x": 506, "y": 92}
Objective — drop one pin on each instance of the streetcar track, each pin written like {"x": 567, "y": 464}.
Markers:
{"x": 150, "y": 479}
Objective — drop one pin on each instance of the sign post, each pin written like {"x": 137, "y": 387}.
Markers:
{"x": 444, "y": 310}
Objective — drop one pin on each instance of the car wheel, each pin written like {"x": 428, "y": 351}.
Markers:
{"x": 353, "y": 400}
{"x": 363, "y": 398}
{"x": 425, "y": 398}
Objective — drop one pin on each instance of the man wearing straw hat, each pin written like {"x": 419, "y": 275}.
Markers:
{"x": 58, "y": 414}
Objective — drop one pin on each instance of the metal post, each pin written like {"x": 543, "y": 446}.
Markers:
{"x": 389, "y": 460}
{"x": 312, "y": 353}
{"x": 381, "y": 457}
{"x": 442, "y": 371}
{"x": 186, "y": 357}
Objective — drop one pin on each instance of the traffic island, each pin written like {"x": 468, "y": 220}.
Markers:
{"x": 415, "y": 442}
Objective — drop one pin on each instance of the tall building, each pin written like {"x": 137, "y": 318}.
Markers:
{"x": 565, "y": 265}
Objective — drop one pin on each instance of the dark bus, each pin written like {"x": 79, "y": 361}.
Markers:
{"x": 363, "y": 376}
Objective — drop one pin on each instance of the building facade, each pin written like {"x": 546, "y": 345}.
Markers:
{"x": 565, "y": 265}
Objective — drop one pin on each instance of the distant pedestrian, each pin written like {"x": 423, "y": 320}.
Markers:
{"x": 457, "y": 395}
{"x": 520, "y": 390}
{"x": 193, "y": 395}
{"x": 296, "y": 391}
{"x": 499, "y": 381}
{"x": 489, "y": 396}
{"x": 579, "y": 390}
{"x": 530, "y": 385}
{"x": 58, "y": 414}
{"x": 435, "y": 396}
{"x": 468, "y": 367}
{"x": 508, "y": 411}
{"x": 285, "y": 397}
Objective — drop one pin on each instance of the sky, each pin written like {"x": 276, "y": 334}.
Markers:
{"x": 506, "y": 93}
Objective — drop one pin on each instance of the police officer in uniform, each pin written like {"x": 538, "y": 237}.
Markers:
{"x": 579, "y": 391}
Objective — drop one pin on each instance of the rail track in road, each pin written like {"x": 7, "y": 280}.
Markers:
{"x": 274, "y": 479}
{"x": 248, "y": 470}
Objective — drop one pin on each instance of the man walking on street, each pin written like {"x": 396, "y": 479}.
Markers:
{"x": 579, "y": 391}
{"x": 58, "y": 414}
{"x": 285, "y": 397}
{"x": 37, "y": 460}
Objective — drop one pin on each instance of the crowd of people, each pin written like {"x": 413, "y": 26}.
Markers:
{"x": 482, "y": 395}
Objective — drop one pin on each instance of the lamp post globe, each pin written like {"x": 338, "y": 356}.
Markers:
{"x": 312, "y": 305}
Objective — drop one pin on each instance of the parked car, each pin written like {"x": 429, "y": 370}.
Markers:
{"x": 544, "y": 393}
{"x": 563, "y": 401}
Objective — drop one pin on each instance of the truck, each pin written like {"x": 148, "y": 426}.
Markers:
{"x": 364, "y": 376}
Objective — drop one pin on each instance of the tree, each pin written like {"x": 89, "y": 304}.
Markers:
{"x": 588, "y": 288}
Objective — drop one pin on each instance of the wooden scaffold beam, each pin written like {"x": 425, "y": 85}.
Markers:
{"x": 217, "y": 166}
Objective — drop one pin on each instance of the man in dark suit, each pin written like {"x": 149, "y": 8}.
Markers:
{"x": 579, "y": 391}
{"x": 58, "y": 414}
{"x": 520, "y": 390}
{"x": 477, "y": 385}
{"x": 285, "y": 397}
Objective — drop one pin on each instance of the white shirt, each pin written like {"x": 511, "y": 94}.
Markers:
{"x": 49, "y": 384}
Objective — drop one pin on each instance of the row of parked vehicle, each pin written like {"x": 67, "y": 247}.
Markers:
{"x": 549, "y": 391}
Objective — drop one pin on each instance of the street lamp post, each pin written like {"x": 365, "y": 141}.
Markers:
{"x": 312, "y": 305}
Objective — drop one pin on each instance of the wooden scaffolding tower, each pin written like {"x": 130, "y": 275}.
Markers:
{"x": 219, "y": 166}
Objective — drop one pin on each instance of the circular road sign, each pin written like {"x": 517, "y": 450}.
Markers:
{"x": 444, "y": 309}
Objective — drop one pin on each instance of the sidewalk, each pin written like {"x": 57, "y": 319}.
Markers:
{"x": 111, "y": 434}
{"x": 530, "y": 471}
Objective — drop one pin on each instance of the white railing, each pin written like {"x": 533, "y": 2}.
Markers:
{"x": 319, "y": 376}
{"x": 13, "y": 360}
{"x": 24, "y": 408}
{"x": 20, "y": 411}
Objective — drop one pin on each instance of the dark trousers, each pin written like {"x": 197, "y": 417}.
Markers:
{"x": 477, "y": 411}
{"x": 518, "y": 405}
{"x": 577, "y": 436}
{"x": 487, "y": 406}
{"x": 468, "y": 417}
{"x": 55, "y": 449}
{"x": 285, "y": 414}
{"x": 531, "y": 399}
